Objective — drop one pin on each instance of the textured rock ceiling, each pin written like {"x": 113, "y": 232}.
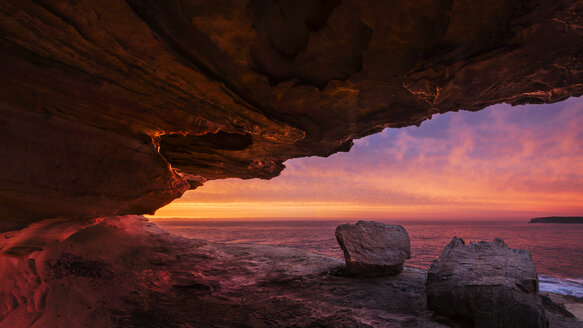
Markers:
{"x": 114, "y": 107}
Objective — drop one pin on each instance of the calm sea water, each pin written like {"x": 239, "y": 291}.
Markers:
{"x": 557, "y": 249}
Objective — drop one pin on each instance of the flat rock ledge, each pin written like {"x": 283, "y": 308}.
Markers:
{"x": 373, "y": 249}
{"x": 124, "y": 271}
{"x": 485, "y": 284}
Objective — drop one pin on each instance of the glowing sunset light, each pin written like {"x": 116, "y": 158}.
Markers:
{"x": 502, "y": 162}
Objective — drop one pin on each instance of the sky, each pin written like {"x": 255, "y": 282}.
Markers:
{"x": 499, "y": 163}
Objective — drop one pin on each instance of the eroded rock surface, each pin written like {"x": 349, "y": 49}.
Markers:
{"x": 126, "y": 272}
{"x": 111, "y": 106}
{"x": 372, "y": 248}
{"x": 485, "y": 285}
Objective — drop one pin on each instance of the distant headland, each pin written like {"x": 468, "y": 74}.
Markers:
{"x": 558, "y": 219}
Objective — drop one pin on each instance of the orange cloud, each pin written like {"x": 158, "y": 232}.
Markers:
{"x": 501, "y": 162}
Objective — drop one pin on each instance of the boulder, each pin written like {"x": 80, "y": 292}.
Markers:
{"x": 373, "y": 248}
{"x": 485, "y": 284}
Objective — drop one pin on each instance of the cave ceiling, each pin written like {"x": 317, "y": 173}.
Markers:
{"x": 118, "y": 107}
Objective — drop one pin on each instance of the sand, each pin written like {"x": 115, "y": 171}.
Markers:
{"x": 576, "y": 309}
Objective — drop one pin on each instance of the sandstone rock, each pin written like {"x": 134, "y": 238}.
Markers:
{"x": 485, "y": 285}
{"x": 373, "y": 248}
{"x": 111, "y": 107}
{"x": 127, "y": 272}
{"x": 101, "y": 274}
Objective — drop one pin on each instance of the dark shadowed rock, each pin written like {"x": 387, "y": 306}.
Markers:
{"x": 485, "y": 285}
{"x": 373, "y": 248}
{"x": 118, "y": 106}
{"x": 127, "y": 272}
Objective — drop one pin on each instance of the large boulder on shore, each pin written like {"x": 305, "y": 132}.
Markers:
{"x": 485, "y": 284}
{"x": 373, "y": 248}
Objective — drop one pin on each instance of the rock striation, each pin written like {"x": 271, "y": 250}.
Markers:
{"x": 372, "y": 248}
{"x": 110, "y": 107}
{"x": 485, "y": 285}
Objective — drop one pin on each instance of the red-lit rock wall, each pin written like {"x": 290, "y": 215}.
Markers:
{"x": 102, "y": 102}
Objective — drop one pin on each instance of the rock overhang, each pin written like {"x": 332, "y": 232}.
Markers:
{"x": 117, "y": 107}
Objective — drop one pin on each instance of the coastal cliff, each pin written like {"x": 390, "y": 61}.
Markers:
{"x": 558, "y": 219}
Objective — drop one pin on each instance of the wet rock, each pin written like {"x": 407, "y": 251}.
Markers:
{"x": 198, "y": 284}
{"x": 373, "y": 248}
{"x": 206, "y": 285}
{"x": 485, "y": 284}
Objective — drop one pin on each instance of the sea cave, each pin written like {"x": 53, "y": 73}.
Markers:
{"x": 112, "y": 109}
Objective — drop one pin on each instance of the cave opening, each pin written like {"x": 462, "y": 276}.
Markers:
{"x": 501, "y": 162}
{"x": 479, "y": 175}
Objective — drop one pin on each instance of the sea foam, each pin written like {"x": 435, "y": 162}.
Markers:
{"x": 563, "y": 286}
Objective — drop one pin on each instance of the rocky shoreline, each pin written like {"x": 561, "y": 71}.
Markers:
{"x": 127, "y": 272}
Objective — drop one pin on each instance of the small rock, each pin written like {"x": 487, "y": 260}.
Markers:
{"x": 485, "y": 285}
{"x": 373, "y": 248}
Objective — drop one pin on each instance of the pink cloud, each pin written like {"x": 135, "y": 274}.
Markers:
{"x": 504, "y": 161}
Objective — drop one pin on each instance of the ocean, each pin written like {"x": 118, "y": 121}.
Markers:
{"x": 556, "y": 249}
